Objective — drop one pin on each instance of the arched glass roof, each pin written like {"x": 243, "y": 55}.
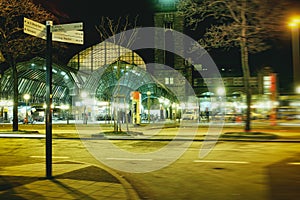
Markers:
{"x": 107, "y": 69}
{"x": 103, "y": 54}
{"x": 104, "y": 68}
{"x": 32, "y": 80}
{"x": 120, "y": 79}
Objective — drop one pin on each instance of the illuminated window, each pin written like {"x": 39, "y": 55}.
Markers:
{"x": 169, "y": 80}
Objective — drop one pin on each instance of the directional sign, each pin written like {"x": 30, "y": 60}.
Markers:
{"x": 67, "y": 27}
{"x": 34, "y": 28}
{"x": 62, "y": 33}
{"x": 75, "y": 37}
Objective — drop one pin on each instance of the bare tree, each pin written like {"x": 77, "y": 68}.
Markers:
{"x": 15, "y": 45}
{"x": 246, "y": 24}
{"x": 108, "y": 29}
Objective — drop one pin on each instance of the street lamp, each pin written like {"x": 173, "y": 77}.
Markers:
{"x": 221, "y": 91}
{"x": 295, "y": 46}
{"x": 84, "y": 114}
{"x": 148, "y": 104}
{"x": 26, "y": 97}
{"x": 65, "y": 108}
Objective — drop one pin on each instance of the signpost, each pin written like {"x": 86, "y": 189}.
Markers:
{"x": 48, "y": 101}
{"x": 34, "y": 28}
{"x": 69, "y": 33}
{"x": 67, "y": 27}
{"x": 75, "y": 37}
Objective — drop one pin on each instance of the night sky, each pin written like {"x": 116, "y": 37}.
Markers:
{"x": 279, "y": 57}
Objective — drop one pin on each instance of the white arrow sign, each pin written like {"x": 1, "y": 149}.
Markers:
{"x": 75, "y": 37}
{"x": 34, "y": 28}
{"x": 67, "y": 27}
{"x": 61, "y": 33}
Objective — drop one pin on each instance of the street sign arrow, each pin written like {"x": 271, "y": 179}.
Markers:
{"x": 75, "y": 37}
{"x": 34, "y": 28}
{"x": 62, "y": 33}
{"x": 67, "y": 27}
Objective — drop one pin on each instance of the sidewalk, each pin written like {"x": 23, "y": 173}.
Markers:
{"x": 73, "y": 180}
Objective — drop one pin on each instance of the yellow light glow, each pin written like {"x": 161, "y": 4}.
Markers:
{"x": 26, "y": 96}
{"x": 295, "y": 21}
{"x": 293, "y": 24}
{"x": 297, "y": 90}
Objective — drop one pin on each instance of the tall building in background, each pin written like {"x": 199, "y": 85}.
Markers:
{"x": 177, "y": 74}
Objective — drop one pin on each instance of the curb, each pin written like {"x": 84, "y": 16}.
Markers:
{"x": 131, "y": 192}
{"x": 222, "y": 137}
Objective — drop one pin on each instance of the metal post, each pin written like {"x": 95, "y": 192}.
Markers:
{"x": 296, "y": 60}
{"x": 148, "y": 105}
{"x": 49, "y": 101}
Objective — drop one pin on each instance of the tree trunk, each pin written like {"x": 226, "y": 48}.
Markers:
{"x": 246, "y": 73}
{"x": 16, "y": 94}
{"x": 245, "y": 65}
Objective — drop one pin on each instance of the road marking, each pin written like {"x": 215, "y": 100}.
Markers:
{"x": 217, "y": 149}
{"x": 221, "y": 161}
{"x": 130, "y": 159}
{"x": 62, "y": 157}
{"x": 294, "y": 163}
{"x": 22, "y": 135}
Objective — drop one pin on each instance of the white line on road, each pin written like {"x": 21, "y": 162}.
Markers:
{"x": 217, "y": 149}
{"x": 221, "y": 161}
{"x": 22, "y": 135}
{"x": 63, "y": 157}
{"x": 130, "y": 159}
{"x": 294, "y": 163}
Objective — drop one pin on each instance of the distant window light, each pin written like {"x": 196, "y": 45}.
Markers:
{"x": 167, "y": 81}
{"x": 171, "y": 81}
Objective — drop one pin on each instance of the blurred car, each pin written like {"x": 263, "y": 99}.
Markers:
{"x": 254, "y": 116}
{"x": 226, "y": 117}
{"x": 287, "y": 113}
{"x": 103, "y": 117}
{"x": 189, "y": 115}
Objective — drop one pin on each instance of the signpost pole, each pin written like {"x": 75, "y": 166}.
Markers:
{"x": 48, "y": 100}
{"x": 62, "y": 33}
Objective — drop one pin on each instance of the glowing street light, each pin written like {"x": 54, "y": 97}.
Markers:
{"x": 298, "y": 89}
{"x": 221, "y": 91}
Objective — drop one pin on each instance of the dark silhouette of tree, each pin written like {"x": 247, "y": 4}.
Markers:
{"x": 246, "y": 24}
{"x": 15, "y": 45}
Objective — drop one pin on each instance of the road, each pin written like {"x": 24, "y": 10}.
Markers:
{"x": 232, "y": 170}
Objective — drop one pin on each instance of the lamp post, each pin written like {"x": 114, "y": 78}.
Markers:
{"x": 66, "y": 108}
{"x": 295, "y": 46}
{"x": 148, "y": 104}
{"x": 84, "y": 114}
{"x": 26, "y": 97}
